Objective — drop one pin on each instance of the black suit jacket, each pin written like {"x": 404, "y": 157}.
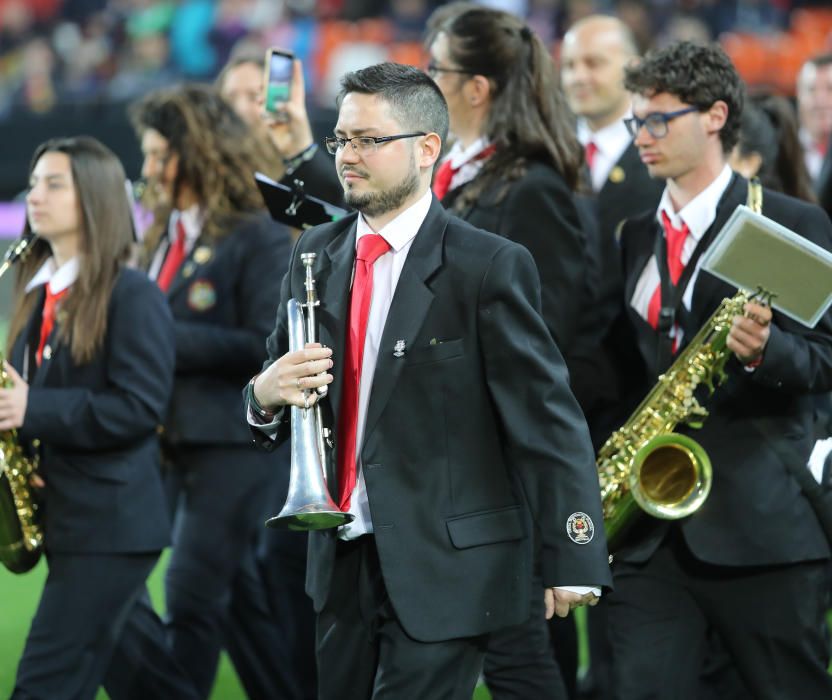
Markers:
{"x": 222, "y": 301}
{"x": 472, "y": 437}
{"x": 97, "y": 424}
{"x": 756, "y": 513}
{"x": 538, "y": 211}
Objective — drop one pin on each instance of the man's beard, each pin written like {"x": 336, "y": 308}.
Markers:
{"x": 377, "y": 203}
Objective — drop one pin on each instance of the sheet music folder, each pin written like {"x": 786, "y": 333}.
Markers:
{"x": 752, "y": 251}
{"x": 293, "y": 207}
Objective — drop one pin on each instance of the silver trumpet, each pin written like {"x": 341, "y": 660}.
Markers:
{"x": 309, "y": 505}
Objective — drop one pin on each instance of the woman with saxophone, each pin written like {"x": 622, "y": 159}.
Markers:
{"x": 90, "y": 372}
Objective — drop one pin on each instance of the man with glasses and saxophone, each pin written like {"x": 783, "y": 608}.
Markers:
{"x": 752, "y": 564}
{"x": 455, "y": 431}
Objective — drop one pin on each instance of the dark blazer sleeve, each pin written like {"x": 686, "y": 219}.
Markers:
{"x": 540, "y": 214}
{"x": 259, "y": 267}
{"x": 139, "y": 373}
{"x": 319, "y": 178}
{"x": 546, "y": 437}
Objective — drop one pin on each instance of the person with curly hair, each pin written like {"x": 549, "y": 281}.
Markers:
{"x": 752, "y": 564}
{"x": 219, "y": 259}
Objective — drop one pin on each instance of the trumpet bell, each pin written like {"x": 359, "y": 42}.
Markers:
{"x": 313, "y": 516}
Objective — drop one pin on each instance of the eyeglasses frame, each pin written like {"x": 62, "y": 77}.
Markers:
{"x": 634, "y": 124}
{"x": 338, "y": 142}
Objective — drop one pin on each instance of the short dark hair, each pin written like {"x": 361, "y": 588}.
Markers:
{"x": 697, "y": 74}
{"x": 416, "y": 102}
{"x": 820, "y": 60}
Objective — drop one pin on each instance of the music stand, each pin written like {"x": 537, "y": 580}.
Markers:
{"x": 752, "y": 251}
{"x": 293, "y": 207}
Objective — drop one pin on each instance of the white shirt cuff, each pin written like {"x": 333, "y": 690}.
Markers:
{"x": 582, "y": 590}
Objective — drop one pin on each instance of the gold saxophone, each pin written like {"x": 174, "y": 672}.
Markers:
{"x": 21, "y": 534}
{"x": 644, "y": 466}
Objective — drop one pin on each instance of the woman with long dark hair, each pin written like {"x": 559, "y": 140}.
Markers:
{"x": 513, "y": 170}
{"x": 91, "y": 367}
{"x": 515, "y": 161}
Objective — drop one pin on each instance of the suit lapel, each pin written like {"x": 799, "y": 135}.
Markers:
{"x": 702, "y": 302}
{"x": 411, "y": 302}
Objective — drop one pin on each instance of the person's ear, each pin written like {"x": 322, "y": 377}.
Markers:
{"x": 716, "y": 116}
{"x": 477, "y": 91}
{"x": 430, "y": 148}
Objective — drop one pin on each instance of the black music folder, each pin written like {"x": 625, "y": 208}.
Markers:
{"x": 753, "y": 251}
{"x": 293, "y": 207}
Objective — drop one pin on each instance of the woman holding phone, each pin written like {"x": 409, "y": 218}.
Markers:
{"x": 91, "y": 369}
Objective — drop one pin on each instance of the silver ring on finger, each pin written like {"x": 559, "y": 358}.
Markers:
{"x": 306, "y": 401}
{"x": 297, "y": 383}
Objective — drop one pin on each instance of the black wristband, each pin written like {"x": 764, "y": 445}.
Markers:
{"x": 263, "y": 413}
{"x": 299, "y": 159}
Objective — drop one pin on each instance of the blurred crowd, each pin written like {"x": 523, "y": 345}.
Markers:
{"x": 66, "y": 51}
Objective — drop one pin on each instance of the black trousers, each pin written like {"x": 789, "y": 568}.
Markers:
{"x": 520, "y": 663}
{"x": 768, "y": 618}
{"x": 222, "y": 498}
{"x": 363, "y": 651}
{"x": 94, "y": 626}
{"x": 271, "y": 623}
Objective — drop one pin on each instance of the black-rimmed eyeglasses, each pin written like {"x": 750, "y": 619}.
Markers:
{"x": 435, "y": 69}
{"x": 656, "y": 122}
{"x": 364, "y": 145}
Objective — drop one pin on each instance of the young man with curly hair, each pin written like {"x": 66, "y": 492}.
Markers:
{"x": 752, "y": 564}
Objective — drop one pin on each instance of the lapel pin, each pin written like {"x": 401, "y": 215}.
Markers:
{"x": 398, "y": 348}
{"x": 203, "y": 254}
{"x": 188, "y": 269}
{"x": 617, "y": 175}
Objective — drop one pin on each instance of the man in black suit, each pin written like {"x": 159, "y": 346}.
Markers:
{"x": 464, "y": 431}
{"x": 753, "y": 563}
{"x": 594, "y": 54}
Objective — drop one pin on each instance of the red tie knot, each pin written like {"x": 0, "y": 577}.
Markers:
{"x": 371, "y": 247}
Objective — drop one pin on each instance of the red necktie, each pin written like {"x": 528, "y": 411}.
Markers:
{"x": 370, "y": 248}
{"x": 445, "y": 173}
{"x": 590, "y": 150}
{"x": 173, "y": 260}
{"x": 675, "y": 242}
{"x": 47, "y": 322}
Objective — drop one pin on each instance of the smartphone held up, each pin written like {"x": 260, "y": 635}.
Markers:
{"x": 278, "y": 81}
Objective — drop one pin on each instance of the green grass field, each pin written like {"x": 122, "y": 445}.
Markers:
{"x": 18, "y": 600}
{"x": 19, "y": 597}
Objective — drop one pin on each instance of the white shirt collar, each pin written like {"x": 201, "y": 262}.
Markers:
{"x": 612, "y": 140}
{"x": 458, "y": 155}
{"x": 700, "y": 212}
{"x": 58, "y": 278}
{"x": 192, "y": 220}
{"x": 403, "y": 229}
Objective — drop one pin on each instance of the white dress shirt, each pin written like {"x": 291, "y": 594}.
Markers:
{"x": 465, "y": 162}
{"x": 399, "y": 233}
{"x": 192, "y": 220}
{"x": 611, "y": 142}
{"x": 698, "y": 214}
